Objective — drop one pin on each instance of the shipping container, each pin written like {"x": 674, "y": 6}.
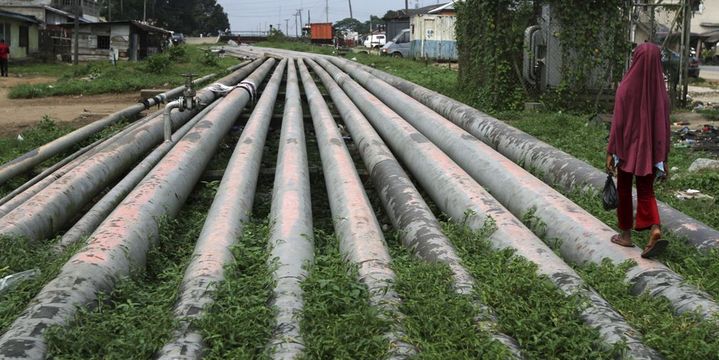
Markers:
{"x": 321, "y": 33}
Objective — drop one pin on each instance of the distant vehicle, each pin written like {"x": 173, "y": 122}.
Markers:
{"x": 670, "y": 62}
{"x": 399, "y": 46}
{"x": 178, "y": 38}
{"x": 375, "y": 41}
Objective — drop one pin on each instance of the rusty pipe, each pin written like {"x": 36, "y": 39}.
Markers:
{"x": 229, "y": 212}
{"x": 36, "y": 156}
{"x": 359, "y": 233}
{"x": 461, "y": 197}
{"x": 418, "y": 228}
{"x": 583, "y": 238}
{"x": 558, "y": 168}
{"x": 48, "y": 211}
{"x": 291, "y": 235}
{"x": 123, "y": 239}
{"x": 93, "y": 217}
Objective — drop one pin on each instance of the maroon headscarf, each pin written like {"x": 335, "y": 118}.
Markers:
{"x": 640, "y": 134}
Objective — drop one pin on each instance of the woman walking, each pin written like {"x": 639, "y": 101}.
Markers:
{"x": 639, "y": 146}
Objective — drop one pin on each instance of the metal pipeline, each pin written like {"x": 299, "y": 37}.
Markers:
{"x": 557, "y": 167}
{"x": 34, "y": 157}
{"x": 123, "y": 239}
{"x": 360, "y": 235}
{"x": 461, "y": 197}
{"x": 34, "y": 186}
{"x": 583, "y": 237}
{"x": 167, "y": 119}
{"x": 93, "y": 217}
{"x": 419, "y": 229}
{"x": 291, "y": 236}
{"x": 48, "y": 211}
{"x": 229, "y": 212}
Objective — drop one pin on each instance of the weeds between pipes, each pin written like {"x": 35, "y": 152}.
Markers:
{"x": 19, "y": 255}
{"x": 529, "y": 307}
{"x": 683, "y": 336}
{"x": 136, "y": 319}
{"x": 439, "y": 322}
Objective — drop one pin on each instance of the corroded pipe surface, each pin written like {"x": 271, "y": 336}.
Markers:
{"x": 419, "y": 229}
{"x": 459, "y": 196}
{"x": 229, "y": 212}
{"x": 557, "y": 167}
{"x": 48, "y": 211}
{"x": 360, "y": 235}
{"x": 93, "y": 217}
{"x": 291, "y": 235}
{"x": 123, "y": 239}
{"x": 583, "y": 237}
{"x": 36, "y": 156}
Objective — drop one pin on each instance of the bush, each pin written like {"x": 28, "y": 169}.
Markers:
{"x": 158, "y": 63}
{"x": 178, "y": 53}
{"x": 210, "y": 59}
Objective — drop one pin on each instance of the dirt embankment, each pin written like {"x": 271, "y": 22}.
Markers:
{"x": 19, "y": 114}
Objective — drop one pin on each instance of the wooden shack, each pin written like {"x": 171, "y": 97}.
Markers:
{"x": 131, "y": 40}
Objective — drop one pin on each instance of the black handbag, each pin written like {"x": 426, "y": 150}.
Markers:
{"x": 609, "y": 195}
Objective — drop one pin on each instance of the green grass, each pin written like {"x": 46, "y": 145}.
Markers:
{"x": 439, "y": 322}
{"x": 136, "y": 319}
{"x": 101, "y": 77}
{"x": 18, "y": 255}
{"x": 674, "y": 336}
{"x": 529, "y": 307}
{"x": 239, "y": 324}
{"x": 337, "y": 320}
{"x": 573, "y": 134}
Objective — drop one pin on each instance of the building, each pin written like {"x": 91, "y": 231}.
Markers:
{"x": 131, "y": 40}
{"x": 398, "y": 20}
{"x": 432, "y": 34}
{"x": 20, "y": 32}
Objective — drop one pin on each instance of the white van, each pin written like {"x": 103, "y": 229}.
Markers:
{"x": 375, "y": 41}
{"x": 399, "y": 46}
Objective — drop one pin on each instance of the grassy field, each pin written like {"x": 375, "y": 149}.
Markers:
{"x": 337, "y": 321}
{"x": 102, "y": 77}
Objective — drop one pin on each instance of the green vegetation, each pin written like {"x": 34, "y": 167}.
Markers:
{"x": 136, "y": 319}
{"x": 337, "y": 321}
{"x": 239, "y": 324}
{"x": 439, "y": 322}
{"x": 102, "y": 77}
{"x": 675, "y": 336}
{"x": 529, "y": 307}
{"x": 19, "y": 255}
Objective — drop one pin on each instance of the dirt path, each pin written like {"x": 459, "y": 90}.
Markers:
{"x": 18, "y": 114}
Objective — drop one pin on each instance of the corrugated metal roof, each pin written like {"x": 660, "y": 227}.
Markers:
{"x": 406, "y": 14}
{"x": 21, "y": 17}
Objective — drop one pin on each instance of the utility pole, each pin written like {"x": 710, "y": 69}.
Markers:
{"x": 406, "y": 4}
{"x": 327, "y": 10}
{"x": 287, "y": 27}
{"x": 296, "y": 15}
{"x": 76, "y": 35}
{"x": 144, "y": 11}
{"x": 350, "y": 2}
{"x": 302, "y": 24}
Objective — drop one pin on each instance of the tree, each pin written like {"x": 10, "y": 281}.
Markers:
{"x": 185, "y": 16}
{"x": 348, "y": 25}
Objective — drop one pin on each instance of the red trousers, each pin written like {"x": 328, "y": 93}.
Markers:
{"x": 647, "y": 212}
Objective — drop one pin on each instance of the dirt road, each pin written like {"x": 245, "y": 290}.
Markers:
{"x": 18, "y": 114}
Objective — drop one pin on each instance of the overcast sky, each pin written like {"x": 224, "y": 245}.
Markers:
{"x": 253, "y": 15}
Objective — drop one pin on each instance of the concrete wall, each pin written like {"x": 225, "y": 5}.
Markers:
{"x": 708, "y": 14}
{"x": 433, "y": 37}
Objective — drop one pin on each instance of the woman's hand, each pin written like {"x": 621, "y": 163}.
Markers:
{"x": 611, "y": 169}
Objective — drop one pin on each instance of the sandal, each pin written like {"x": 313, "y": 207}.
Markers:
{"x": 654, "y": 248}
{"x": 617, "y": 239}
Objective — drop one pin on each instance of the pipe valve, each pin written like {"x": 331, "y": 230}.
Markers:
{"x": 188, "y": 99}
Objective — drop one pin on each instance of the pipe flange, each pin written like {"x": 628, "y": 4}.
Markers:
{"x": 251, "y": 89}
